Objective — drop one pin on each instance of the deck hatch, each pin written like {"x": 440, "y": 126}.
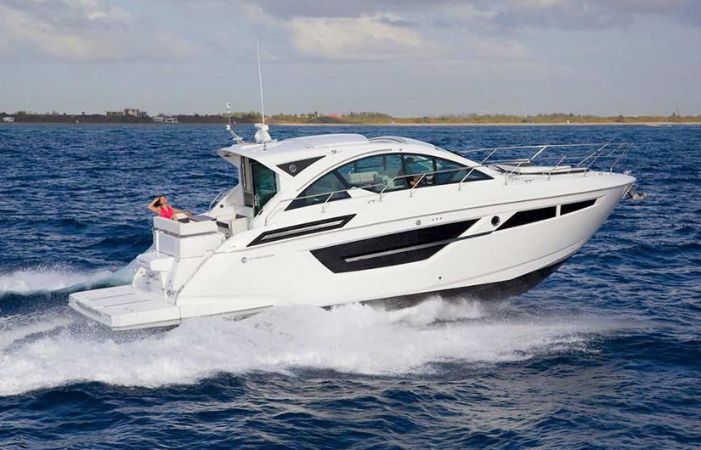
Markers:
{"x": 392, "y": 249}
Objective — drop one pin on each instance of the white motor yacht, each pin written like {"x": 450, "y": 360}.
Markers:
{"x": 338, "y": 218}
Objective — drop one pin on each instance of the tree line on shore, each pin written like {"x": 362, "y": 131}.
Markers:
{"x": 356, "y": 118}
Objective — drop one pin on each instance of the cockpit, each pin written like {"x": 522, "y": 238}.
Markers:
{"x": 235, "y": 208}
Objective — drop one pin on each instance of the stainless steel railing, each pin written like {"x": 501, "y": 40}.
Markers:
{"x": 218, "y": 198}
{"x": 586, "y": 154}
{"x": 581, "y": 159}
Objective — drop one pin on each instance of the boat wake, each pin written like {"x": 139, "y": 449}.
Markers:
{"x": 58, "y": 278}
{"x": 60, "y": 348}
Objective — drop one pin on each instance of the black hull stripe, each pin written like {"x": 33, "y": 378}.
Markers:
{"x": 301, "y": 230}
{"x": 572, "y": 207}
{"x": 390, "y": 250}
{"x": 529, "y": 216}
{"x": 413, "y": 247}
{"x": 416, "y": 247}
{"x": 407, "y": 247}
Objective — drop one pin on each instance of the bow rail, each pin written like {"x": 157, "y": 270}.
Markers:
{"x": 512, "y": 161}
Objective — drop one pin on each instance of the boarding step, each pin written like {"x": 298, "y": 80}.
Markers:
{"x": 125, "y": 308}
{"x": 155, "y": 262}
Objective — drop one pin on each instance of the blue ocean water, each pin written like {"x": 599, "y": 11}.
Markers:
{"x": 606, "y": 353}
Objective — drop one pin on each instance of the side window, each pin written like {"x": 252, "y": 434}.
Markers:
{"x": 417, "y": 165}
{"x": 375, "y": 173}
{"x": 451, "y": 172}
{"x": 319, "y": 191}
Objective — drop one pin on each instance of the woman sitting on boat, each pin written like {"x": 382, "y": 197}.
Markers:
{"x": 160, "y": 207}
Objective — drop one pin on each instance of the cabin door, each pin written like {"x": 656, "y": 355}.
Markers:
{"x": 264, "y": 185}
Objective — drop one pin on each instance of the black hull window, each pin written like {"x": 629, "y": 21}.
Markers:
{"x": 530, "y": 216}
{"x": 301, "y": 230}
{"x": 572, "y": 207}
{"x": 390, "y": 250}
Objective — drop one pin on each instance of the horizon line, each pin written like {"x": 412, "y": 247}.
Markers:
{"x": 137, "y": 112}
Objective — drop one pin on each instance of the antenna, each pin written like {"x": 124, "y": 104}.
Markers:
{"x": 260, "y": 85}
{"x": 262, "y": 136}
{"x": 229, "y": 128}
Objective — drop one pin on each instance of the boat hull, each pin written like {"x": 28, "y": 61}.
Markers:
{"x": 500, "y": 290}
{"x": 454, "y": 253}
{"x": 124, "y": 308}
{"x": 388, "y": 257}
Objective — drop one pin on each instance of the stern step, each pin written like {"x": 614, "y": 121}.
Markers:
{"x": 125, "y": 308}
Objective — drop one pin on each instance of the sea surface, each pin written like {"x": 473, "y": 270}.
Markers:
{"x": 605, "y": 353}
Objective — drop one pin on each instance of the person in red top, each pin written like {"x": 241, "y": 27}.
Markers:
{"x": 160, "y": 207}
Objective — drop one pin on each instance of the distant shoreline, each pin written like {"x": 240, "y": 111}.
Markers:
{"x": 374, "y": 124}
{"x": 135, "y": 116}
{"x": 482, "y": 124}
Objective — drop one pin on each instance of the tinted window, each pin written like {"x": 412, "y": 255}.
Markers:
{"x": 452, "y": 172}
{"x": 418, "y": 165}
{"x": 320, "y": 190}
{"x": 375, "y": 173}
{"x": 264, "y": 185}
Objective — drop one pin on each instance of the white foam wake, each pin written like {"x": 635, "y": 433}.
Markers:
{"x": 55, "y": 278}
{"x": 14, "y": 329}
{"x": 353, "y": 339}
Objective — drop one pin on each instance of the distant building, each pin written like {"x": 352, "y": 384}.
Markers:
{"x": 162, "y": 118}
{"x": 134, "y": 112}
{"x": 127, "y": 112}
{"x": 8, "y": 119}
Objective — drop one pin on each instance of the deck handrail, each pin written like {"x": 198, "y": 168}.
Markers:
{"x": 218, "y": 198}
{"x": 579, "y": 164}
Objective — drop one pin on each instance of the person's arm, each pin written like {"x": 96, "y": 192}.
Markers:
{"x": 151, "y": 206}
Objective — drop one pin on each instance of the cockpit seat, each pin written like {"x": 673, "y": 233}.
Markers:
{"x": 363, "y": 178}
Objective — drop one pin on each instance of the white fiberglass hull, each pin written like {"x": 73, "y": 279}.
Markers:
{"x": 521, "y": 230}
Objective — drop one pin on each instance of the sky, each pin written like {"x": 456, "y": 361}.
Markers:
{"x": 402, "y": 57}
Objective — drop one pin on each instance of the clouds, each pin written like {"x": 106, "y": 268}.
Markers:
{"x": 512, "y": 13}
{"x": 373, "y": 30}
{"x": 401, "y": 56}
{"x": 585, "y": 14}
{"x": 331, "y": 30}
{"x": 22, "y": 28}
{"x": 81, "y": 31}
{"x": 379, "y": 37}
